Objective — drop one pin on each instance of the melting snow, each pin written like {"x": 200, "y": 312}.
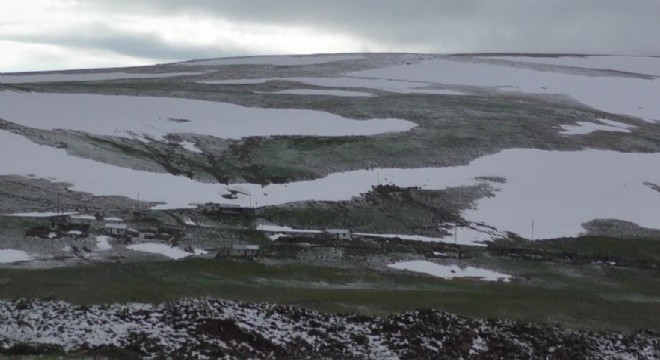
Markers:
{"x": 629, "y": 96}
{"x": 586, "y": 127}
{"x": 449, "y": 271}
{"x": 191, "y": 147}
{"x": 102, "y": 243}
{"x": 130, "y": 116}
{"x": 8, "y": 256}
{"x": 163, "y": 249}
{"x": 633, "y": 64}
{"x": 555, "y": 189}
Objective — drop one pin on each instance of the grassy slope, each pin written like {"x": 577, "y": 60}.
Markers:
{"x": 550, "y": 295}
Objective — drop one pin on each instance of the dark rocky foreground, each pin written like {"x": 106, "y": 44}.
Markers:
{"x": 212, "y": 328}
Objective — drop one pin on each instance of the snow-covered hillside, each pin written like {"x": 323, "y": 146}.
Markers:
{"x": 559, "y": 184}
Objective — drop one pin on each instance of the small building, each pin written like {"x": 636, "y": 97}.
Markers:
{"x": 38, "y": 231}
{"x": 211, "y": 207}
{"x": 227, "y": 209}
{"x": 146, "y": 235}
{"x": 113, "y": 220}
{"x": 240, "y": 250}
{"x": 167, "y": 231}
{"x": 116, "y": 229}
{"x": 339, "y": 234}
{"x": 82, "y": 219}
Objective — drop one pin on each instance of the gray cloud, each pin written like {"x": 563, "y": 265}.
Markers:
{"x": 142, "y": 45}
{"x": 586, "y": 26}
{"x": 594, "y": 26}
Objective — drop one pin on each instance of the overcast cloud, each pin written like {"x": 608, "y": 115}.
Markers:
{"x": 56, "y": 34}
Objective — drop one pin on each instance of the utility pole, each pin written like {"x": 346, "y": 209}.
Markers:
{"x": 138, "y": 203}
{"x": 58, "y": 202}
{"x": 532, "y": 229}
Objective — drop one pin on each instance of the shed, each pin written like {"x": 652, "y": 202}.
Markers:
{"x": 339, "y": 234}
{"x": 241, "y": 250}
{"x": 116, "y": 229}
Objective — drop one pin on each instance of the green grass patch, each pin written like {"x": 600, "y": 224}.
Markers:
{"x": 577, "y": 303}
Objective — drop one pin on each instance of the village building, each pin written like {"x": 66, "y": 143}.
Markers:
{"x": 146, "y": 235}
{"x": 226, "y": 209}
{"x": 240, "y": 251}
{"x": 211, "y": 207}
{"x": 82, "y": 219}
{"x": 116, "y": 229}
{"x": 339, "y": 234}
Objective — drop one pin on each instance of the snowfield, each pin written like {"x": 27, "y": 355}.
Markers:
{"x": 156, "y": 117}
{"x": 449, "y": 271}
{"x": 9, "y": 256}
{"x": 618, "y": 95}
{"x": 632, "y": 64}
{"x": 165, "y": 250}
{"x": 559, "y": 191}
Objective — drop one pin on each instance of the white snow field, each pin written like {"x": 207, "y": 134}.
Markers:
{"x": 164, "y": 249}
{"x": 92, "y": 76}
{"x": 558, "y": 190}
{"x": 449, "y": 271}
{"x": 618, "y": 95}
{"x": 156, "y": 117}
{"x": 9, "y": 256}
{"x": 634, "y": 64}
{"x": 587, "y": 127}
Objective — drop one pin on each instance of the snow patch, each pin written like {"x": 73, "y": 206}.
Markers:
{"x": 165, "y": 250}
{"x": 9, "y": 256}
{"x": 629, "y": 96}
{"x": 553, "y": 188}
{"x": 449, "y": 271}
{"x": 586, "y": 127}
{"x": 633, "y": 64}
{"x": 134, "y": 117}
{"x": 191, "y": 147}
{"x": 102, "y": 243}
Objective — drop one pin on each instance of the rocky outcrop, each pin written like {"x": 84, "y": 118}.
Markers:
{"x": 213, "y": 328}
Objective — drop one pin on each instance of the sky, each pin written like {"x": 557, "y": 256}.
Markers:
{"x": 68, "y": 34}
